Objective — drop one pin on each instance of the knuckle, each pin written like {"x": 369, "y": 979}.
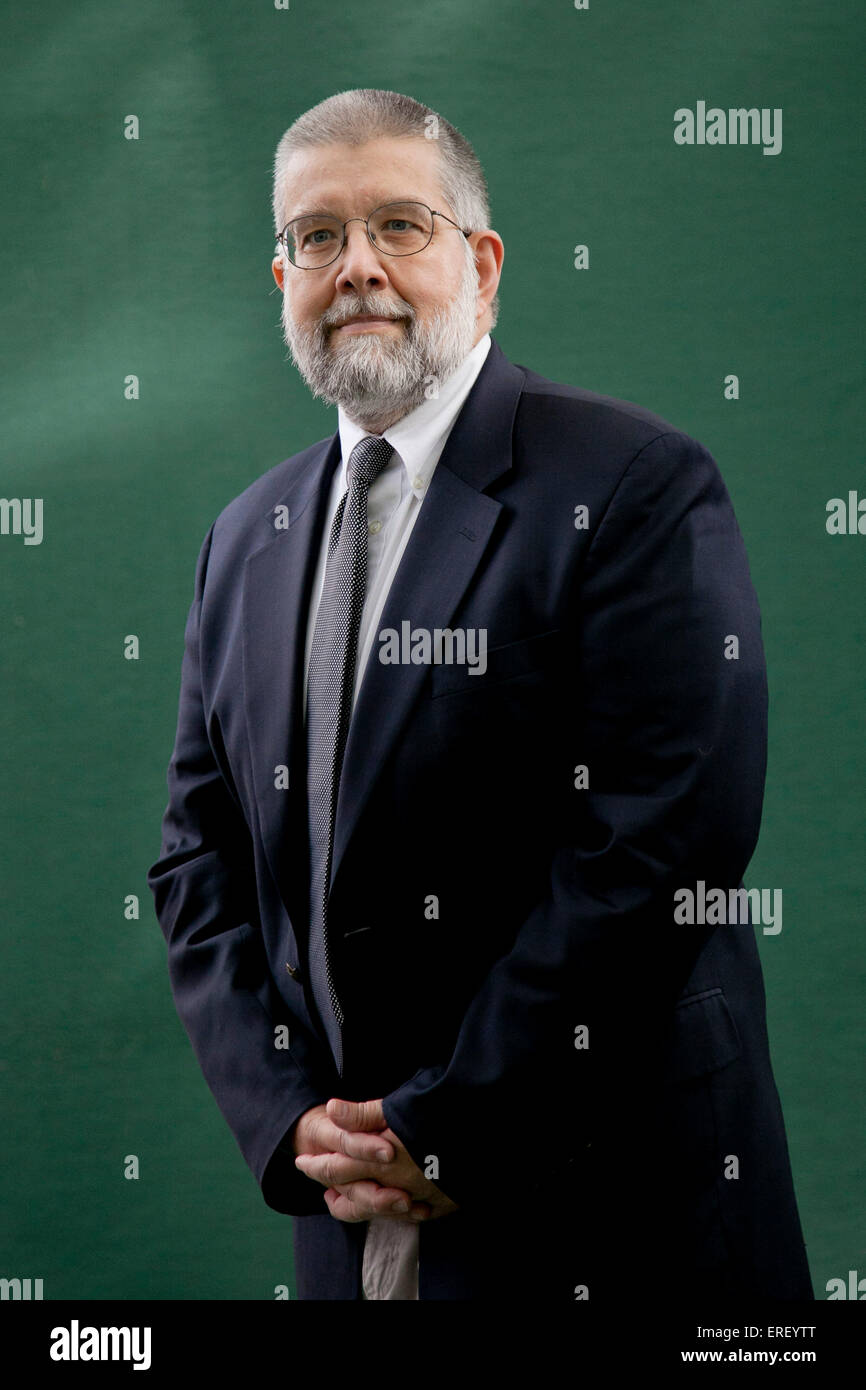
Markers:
{"x": 361, "y": 1202}
{"x": 354, "y": 1208}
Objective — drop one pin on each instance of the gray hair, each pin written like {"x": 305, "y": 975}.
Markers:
{"x": 369, "y": 113}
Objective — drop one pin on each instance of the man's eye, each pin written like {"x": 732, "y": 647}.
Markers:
{"x": 310, "y": 237}
{"x": 404, "y": 224}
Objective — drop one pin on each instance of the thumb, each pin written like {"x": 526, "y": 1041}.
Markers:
{"x": 357, "y": 1114}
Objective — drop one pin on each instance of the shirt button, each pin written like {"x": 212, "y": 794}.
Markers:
{"x": 418, "y": 483}
{"x": 375, "y": 526}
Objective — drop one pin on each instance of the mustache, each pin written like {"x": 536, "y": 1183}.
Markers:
{"x": 335, "y": 318}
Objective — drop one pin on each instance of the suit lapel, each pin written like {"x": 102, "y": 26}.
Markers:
{"x": 444, "y": 550}
{"x": 277, "y": 587}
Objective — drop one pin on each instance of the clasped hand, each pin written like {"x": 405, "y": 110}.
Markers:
{"x": 366, "y": 1170}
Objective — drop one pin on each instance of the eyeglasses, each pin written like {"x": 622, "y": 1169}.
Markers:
{"x": 396, "y": 229}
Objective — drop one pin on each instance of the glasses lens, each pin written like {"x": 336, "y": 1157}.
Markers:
{"x": 400, "y": 229}
{"x": 313, "y": 241}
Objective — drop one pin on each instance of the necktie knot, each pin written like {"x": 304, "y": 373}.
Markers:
{"x": 368, "y": 458}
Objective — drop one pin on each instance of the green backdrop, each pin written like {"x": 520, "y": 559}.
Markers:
{"x": 152, "y": 257}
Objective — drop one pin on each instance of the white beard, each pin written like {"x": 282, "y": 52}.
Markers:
{"x": 383, "y": 374}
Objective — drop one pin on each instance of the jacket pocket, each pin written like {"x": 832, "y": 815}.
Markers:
{"x": 503, "y": 663}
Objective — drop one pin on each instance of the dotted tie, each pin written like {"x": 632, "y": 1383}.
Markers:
{"x": 330, "y": 685}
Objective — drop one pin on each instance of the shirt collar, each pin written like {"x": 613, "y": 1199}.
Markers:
{"x": 419, "y": 438}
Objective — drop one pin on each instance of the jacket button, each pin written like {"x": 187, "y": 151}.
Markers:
{"x": 293, "y": 971}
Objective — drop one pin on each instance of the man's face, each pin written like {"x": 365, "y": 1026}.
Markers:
{"x": 432, "y": 314}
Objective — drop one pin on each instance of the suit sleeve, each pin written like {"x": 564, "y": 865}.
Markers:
{"x": 205, "y": 897}
{"x": 669, "y": 699}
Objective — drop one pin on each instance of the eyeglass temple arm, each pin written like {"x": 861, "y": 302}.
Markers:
{"x": 466, "y": 231}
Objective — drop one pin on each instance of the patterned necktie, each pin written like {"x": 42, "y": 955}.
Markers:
{"x": 330, "y": 684}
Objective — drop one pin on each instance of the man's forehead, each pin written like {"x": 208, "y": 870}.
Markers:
{"x": 341, "y": 177}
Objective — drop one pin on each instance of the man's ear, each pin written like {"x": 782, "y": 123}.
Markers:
{"x": 277, "y": 268}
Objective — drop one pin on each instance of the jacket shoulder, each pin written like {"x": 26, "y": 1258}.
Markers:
{"x": 565, "y": 433}
{"x": 269, "y": 487}
{"x": 248, "y": 519}
{"x": 609, "y": 421}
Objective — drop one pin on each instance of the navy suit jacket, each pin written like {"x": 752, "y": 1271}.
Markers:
{"x": 589, "y": 1081}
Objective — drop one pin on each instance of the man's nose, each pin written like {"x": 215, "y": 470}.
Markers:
{"x": 359, "y": 264}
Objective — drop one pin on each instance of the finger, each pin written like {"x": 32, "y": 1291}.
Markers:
{"x": 332, "y": 1169}
{"x": 420, "y": 1211}
{"x": 373, "y": 1147}
{"x": 371, "y": 1200}
{"x": 340, "y": 1206}
{"x": 375, "y": 1202}
{"x": 357, "y": 1114}
{"x": 346, "y": 1203}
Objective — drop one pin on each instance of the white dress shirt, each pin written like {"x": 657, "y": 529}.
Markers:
{"x": 394, "y": 499}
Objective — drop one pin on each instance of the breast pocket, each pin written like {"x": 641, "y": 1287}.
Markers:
{"x": 524, "y": 659}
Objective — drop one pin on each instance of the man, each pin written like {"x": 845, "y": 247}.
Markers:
{"x": 472, "y": 691}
